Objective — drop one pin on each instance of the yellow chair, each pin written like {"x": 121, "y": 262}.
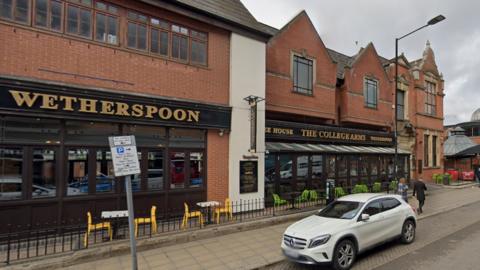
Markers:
{"x": 192, "y": 214}
{"x": 227, "y": 210}
{"x": 152, "y": 220}
{"x": 95, "y": 227}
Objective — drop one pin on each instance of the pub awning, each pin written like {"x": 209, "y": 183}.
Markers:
{"x": 330, "y": 148}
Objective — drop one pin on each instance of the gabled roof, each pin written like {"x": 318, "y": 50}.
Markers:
{"x": 229, "y": 11}
{"x": 342, "y": 61}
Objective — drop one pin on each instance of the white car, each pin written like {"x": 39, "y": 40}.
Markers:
{"x": 347, "y": 227}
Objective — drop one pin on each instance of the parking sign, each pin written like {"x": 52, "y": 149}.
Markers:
{"x": 124, "y": 155}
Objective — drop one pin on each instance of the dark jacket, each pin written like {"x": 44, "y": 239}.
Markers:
{"x": 419, "y": 188}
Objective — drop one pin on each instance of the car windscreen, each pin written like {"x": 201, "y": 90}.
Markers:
{"x": 341, "y": 209}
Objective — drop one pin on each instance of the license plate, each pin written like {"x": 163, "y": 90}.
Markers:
{"x": 291, "y": 253}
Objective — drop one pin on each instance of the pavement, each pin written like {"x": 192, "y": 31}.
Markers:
{"x": 252, "y": 249}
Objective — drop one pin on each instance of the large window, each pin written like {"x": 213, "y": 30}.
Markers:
{"x": 77, "y": 172}
{"x": 104, "y": 178}
{"x": 17, "y": 10}
{"x": 44, "y": 173}
{"x": 48, "y": 14}
{"x": 370, "y": 93}
{"x": 198, "y": 51}
{"x": 302, "y": 75}
{"x": 434, "y": 151}
{"x": 11, "y": 177}
{"x": 79, "y": 21}
{"x": 196, "y": 169}
{"x": 430, "y": 107}
{"x": 159, "y": 37}
{"x": 106, "y": 23}
{"x": 155, "y": 170}
{"x": 137, "y": 31}
{"x": 180, "y": 42}
{"x": 400, "y": 105}
{"x": 425, "y": 150}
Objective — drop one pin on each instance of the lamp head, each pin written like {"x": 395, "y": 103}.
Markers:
{"x": 435, "y": 20}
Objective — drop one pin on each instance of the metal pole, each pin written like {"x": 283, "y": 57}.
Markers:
{"x": 133, "y": 245}
{"x": 396, "y": 112}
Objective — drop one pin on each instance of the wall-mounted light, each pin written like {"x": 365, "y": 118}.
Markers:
{"x": 221, "y": 132}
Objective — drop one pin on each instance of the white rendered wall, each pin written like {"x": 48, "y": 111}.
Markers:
{"x": 247, "y": 77}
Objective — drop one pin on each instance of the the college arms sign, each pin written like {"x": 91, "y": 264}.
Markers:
{"x": 314, "y": 133}
{"x": 102, "y": 105}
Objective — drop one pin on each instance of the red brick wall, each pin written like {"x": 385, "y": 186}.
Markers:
{"x": 217, "y": 163}
{"x": 300, "y": 36}
{"x": 353, "y": 107}
{"x": 28, "y": 52}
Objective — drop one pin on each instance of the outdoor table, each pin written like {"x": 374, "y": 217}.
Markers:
{"x": 208, "y": 206}
{"x": 115, "y": 217}
{"x": 293, "y": 195}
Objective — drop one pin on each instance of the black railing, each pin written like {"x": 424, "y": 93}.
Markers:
{"x": 23, "y": 242}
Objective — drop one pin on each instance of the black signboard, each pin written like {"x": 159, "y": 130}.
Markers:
{"x": 248, "y": 176}
{"x": 299, "y": 132}
{"x": 41, "y": 100}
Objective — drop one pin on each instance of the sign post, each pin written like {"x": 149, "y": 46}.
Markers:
{"x": 125, "y": 163}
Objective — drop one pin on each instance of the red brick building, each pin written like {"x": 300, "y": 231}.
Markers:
{"x": 74, "y": 72}
{"x": 330, "y": 116}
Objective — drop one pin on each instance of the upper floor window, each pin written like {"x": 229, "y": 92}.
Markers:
{"x": 302, "y": 75}
{"x": 370, "y": 93}
{"x": 430, "y": 107}
{"x": 79, "y": 20}
{"x": 48, "y": 14}
{"x": 425, "y": 150}
{"x": 17, "y": 10}
{"x": 106, "y": 23}
{"x": 400, "y": 105}
{"x": 100, "y": 21}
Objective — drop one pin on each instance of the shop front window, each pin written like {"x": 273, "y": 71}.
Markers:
{"x": 196, "y": 169}
{"x": 187, "y": 138}
{"x": 104, "y": 179}
{"x": 11, "y": 179}
{"x": 147, "y": 136}
{"x": 331, "y": 168}
{"x": 353, "y": 165}
{"x": 44, "y": 172}
{"x": 155, "y": 170}
{"x": 91, "y": 133}
{"x": 342, "y": 166}
{"x": 285, "y": 173}
{"x": 77, "y": 172}
{"x": 374, "y": 167}
{"x": 302, "y": 172}
{"x": 177, "y": 170}
{"x": 269, "y": 176}
{"x": 317, "y": 171}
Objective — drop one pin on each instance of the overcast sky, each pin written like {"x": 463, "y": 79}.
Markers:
{"x": 347, "y": 25}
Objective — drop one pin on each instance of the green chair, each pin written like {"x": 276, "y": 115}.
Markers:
{"x": 277, "y": 201}
{"x": 377, "y": 187}
{"x": 304, "y": 196}
{"x": 339, "y": 192}
{"x": 313, "y": 195}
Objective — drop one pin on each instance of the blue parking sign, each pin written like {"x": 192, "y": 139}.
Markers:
{"x": 120, "y": 150}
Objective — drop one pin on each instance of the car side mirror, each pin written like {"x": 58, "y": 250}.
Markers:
{"x": 365, "y": 217}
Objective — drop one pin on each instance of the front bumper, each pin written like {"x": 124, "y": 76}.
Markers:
{"x": 318, "y": 255}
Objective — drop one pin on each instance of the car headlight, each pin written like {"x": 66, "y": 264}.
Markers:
{"x": 319, "y": 240}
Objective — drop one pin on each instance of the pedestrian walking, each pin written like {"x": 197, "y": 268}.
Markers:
{"x": 402, "y": 189}
{"x": 419, "y": 190}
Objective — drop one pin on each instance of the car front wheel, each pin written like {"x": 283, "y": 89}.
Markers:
{"x": 408, "y": 232}
{"x": 344, "y": 255}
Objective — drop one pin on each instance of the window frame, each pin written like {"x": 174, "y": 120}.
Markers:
{"x": 199, "y": 40}
{"x": 49, "y": 16}
{"x": 426, "y": 157}
{"x": 107, "y": 13}
{"x": 12, "y": 13}
{"x": 80, "y": 7}
{"x": 430, "y": 96}
{"x": 310, "y": 63}
{"x": 368, "y": 81}
{"x": 180, "y": 35}
{"x": 401, "y": 113}
{"x": 434, "y": 150}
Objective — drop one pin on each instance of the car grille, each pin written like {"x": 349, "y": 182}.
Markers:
{"x": 294, "y": 242}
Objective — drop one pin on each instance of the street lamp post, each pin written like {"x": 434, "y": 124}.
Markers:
{"x": 433, "y": 21}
